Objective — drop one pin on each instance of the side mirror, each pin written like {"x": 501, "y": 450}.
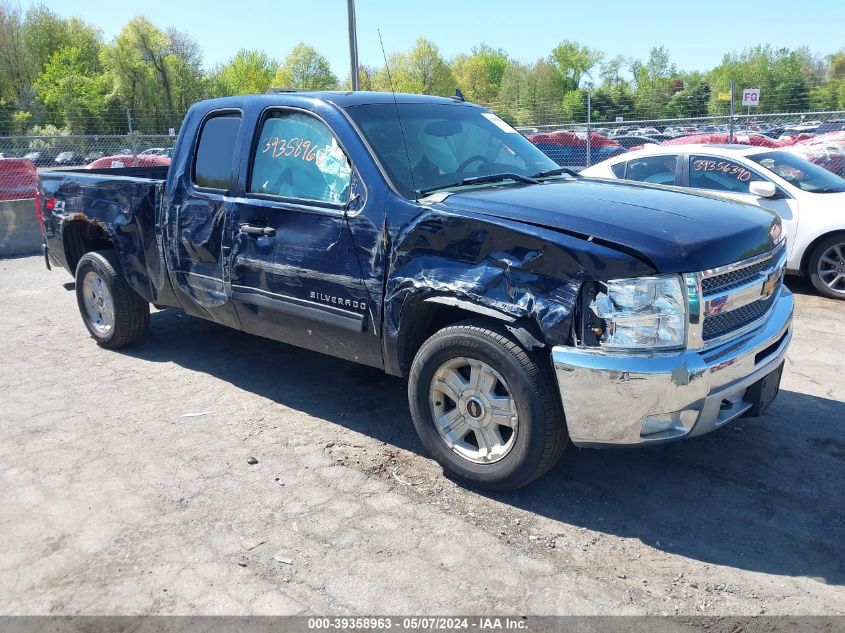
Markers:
{"x": 762, "y": 189}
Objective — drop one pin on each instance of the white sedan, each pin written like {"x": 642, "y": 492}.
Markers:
{"x": 810, "y": 199}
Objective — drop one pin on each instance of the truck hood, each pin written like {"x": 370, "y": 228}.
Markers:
{"x": 673, "y": 230}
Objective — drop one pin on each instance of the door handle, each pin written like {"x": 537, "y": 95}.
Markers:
{"x": 251, "y": 229}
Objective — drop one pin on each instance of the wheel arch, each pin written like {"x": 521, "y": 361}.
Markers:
{"x": 808, "y": 252}
{"x": 81, "y": 236}
{"x": 428, "y": 315}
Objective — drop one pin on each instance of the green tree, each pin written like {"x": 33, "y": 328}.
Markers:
{"x": 151, "y": 46}
{"x": 157, "y": 74}
{"x": 574, "y": 62}
{"x": 611, "y": 71}
{"x": 75, "y": 91}
{"x": 574, "y": 105}
{"x": 365, "y": 78}
{"x": 654, "y": 83}
{"x": 479, "y": 75}
{"x": 472, "y": 78}
{"x": 779, "y": 73}
{"x": 421, "y": 70}
{"x": 306, "y": 68}
{"x": 532, "y": 95}
{"x": 248, "y": 72}
{"x": 184, "y": 63}
{"x": 691, "y": 100}
{"x": 611, "y": 101}
{"x": 836, "y": 66}
{"x": 44, "y": 32}
{"x": 15, "y": 75}
{"x": 830, "y": 94}
{"x": 135, "y": 79}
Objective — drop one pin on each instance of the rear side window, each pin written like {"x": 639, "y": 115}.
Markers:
{"x": 618, "y": 169}
{"x": 215, "y": 150}
{"x": 658, "y": 170}
{"x": 299, "y": 157}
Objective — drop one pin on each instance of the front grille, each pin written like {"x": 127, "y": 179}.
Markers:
{"x": 732, "y": 287}
{"x": 718, "y": 325}
{"x": 736, "y": 278}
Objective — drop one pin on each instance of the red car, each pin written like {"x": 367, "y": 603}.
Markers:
{"x": 128, "y": 160}
{"x": 18, "y": 179}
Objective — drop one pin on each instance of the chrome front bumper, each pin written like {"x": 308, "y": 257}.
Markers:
{"x": 625, "y": 399}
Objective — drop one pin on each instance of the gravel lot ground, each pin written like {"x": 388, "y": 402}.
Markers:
{"x": 125, "y": 487}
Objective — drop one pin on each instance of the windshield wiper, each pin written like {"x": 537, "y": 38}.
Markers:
{"x": 477, "y": 180}
{"x": 556, "y": 172}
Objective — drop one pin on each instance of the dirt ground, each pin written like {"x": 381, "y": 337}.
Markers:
{"x": 125, "y": 487}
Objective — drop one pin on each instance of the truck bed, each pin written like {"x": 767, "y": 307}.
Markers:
{"x": 90, "y": 209}
{"x": 158, "y": 172}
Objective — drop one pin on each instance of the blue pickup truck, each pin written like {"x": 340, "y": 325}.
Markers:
{"x": 527, "y": 307}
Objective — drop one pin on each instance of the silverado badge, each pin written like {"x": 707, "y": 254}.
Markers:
{"x": 337, "y": 301}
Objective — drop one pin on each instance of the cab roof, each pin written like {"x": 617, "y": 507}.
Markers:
{"x": 338, "y": 98}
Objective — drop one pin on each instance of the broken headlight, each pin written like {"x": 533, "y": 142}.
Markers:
{"x": 642, "y": 313}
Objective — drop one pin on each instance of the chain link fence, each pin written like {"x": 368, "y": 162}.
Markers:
{"x": 581, "y": 143}
{"x": 118, "y": 138}
{"x": 78, "y": 149}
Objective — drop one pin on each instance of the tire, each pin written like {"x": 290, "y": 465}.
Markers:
{"x": 99, "y": 283}
{"x": 826, "y": 266}
{"x": 520, "y": 452}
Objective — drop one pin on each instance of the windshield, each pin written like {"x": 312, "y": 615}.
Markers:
{"x": 800, "y": 173}
{"x": 447, "y": 144}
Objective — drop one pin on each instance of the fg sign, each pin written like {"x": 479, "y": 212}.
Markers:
{"x": 751, "y": 97}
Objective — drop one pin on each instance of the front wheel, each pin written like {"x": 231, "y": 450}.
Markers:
{"x": 115, "y": 315}
{"x": 826, "y": 267}
{"x": 485, "y": 408}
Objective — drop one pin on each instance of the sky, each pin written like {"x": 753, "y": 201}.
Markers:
{"x": 697, "y": 33}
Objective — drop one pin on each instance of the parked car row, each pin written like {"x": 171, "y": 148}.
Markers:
{"x": 780, "y": 130}
{"x": 73, "y": 158}
{"x": 569, "y": 149}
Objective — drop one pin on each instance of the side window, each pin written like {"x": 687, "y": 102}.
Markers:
{"x": 658, "y": 170}
{"x": 298, "y": 157}
{"x": 213, "y": 162}
{"x": 618, "y": 169}
{"x": 718, "y": 174}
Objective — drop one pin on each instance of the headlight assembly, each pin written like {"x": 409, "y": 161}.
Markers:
{"x": 641, "y": 314}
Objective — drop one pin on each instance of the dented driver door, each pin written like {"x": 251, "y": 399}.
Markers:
{"x": 296, "y": 276}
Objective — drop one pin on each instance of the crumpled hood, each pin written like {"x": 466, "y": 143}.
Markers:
{"x": 674, "y": 230}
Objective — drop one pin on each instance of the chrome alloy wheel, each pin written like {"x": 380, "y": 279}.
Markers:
{"x": 473, "y": 409}
{"x": 99, "y": 304}
{"x": 831, "y": 268}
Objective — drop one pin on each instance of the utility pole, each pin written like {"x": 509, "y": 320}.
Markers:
{"x": 353, "y": 45}
{"x": 731, "y": 124}
{"x": 589, "y": 127}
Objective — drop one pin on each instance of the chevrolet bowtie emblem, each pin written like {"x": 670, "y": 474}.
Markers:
{"x": 770, "y": 285}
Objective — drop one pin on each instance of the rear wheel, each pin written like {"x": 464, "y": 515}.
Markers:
{"x": 485, "y": 408}
{"x": 826, "y": 267}
{"x": 115, "y": 315}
